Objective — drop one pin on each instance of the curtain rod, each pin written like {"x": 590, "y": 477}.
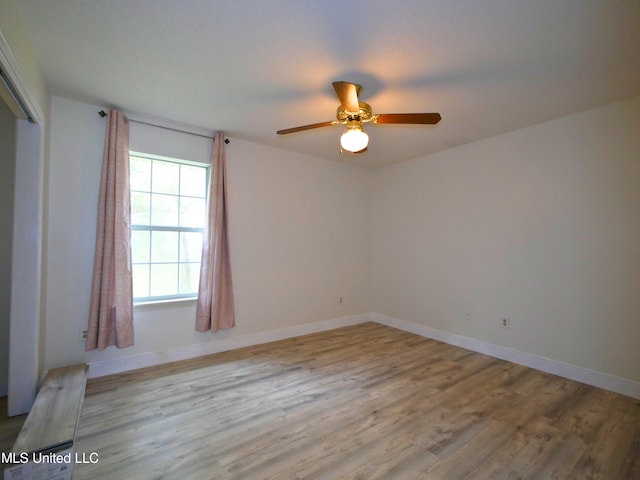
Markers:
{"x": 103, "y": 114}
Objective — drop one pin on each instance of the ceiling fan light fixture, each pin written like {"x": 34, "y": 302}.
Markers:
{"x": 354, "y": 139}
{"x": 354, "y": 113}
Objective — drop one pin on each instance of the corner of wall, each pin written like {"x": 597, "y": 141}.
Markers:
{"x": 565, "y": 370}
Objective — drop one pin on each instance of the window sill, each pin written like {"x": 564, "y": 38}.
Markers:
{"x": 162, "y": 304}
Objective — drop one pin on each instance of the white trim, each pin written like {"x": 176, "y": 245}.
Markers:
{"x": 12, "y": 69}
{"x": 24, "y": 321}
{"x": 119, "y": 365}
{"x": 572, "y": 372}
{"x": 26, "y": 271}
{"x": 4, "y": 389}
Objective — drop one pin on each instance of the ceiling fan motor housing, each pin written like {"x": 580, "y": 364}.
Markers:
{"x": 364, "y": 114}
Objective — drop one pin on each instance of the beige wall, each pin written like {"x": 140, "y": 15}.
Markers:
{"x": 299, "y": 237}
{"x": 15, "y": 34}
{"x": 541, "y": 225}
{"x": 7, "y": 176}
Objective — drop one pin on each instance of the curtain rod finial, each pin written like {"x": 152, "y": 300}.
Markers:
{"x": 102, "y": 113}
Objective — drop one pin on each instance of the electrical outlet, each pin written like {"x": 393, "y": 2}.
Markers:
{"x": 505, "y": 322}
{"x": 340, "y": 300}
{"x": 467, "y": 316}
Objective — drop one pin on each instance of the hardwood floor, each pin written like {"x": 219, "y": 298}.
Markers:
{"x": 362, "y": 402}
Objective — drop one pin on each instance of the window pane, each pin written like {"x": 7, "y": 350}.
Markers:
{"x": 190, "y": 246}
{"x": 140, "y": 174}
{"x": 164, "y": 246}
{"x": 166, "y": 177}
{"x": 171, "y": 195}
{"x": 164, "y": 279}
{"x": 165, "y": 210}
{"x": 140, "y": 246}
{"x": 192, "y": 212}
{"x": 193, "y": 181}
{"x": 140, "y": 276}
{"x": 189, "y": 277}
{"x": 140, "y": 208}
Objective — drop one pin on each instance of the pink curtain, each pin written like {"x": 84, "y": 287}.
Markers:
{"x": 111, "y": 310}
{"x": 215, "y": 308}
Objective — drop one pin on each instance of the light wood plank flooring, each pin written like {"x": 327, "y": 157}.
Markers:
{"x": 363, "y": 402}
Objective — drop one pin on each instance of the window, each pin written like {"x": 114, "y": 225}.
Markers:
{"x": 168, "y": 202}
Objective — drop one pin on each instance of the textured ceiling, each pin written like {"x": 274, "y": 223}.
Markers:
{"x": 251, "y": 67}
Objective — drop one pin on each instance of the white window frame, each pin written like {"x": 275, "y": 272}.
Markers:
{"x": 159, "y": 299}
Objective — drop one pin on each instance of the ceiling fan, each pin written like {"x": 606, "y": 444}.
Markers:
{"x": 353, "y": 113}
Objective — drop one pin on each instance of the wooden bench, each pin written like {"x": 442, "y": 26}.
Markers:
{"x": 50, "y": 427}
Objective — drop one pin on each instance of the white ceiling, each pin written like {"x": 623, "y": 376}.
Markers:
{"x": 251, "y": 67}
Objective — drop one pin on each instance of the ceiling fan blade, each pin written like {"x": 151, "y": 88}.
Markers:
{"x": 409, "y": 118}
{"x": 303, "y": 128}
{"x": 348, "y": 95}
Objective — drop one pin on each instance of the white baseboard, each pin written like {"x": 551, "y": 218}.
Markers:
{"x": 572, "y": 372}
{"x": 124, "y": 364}
{"x": 4, "y": 389}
